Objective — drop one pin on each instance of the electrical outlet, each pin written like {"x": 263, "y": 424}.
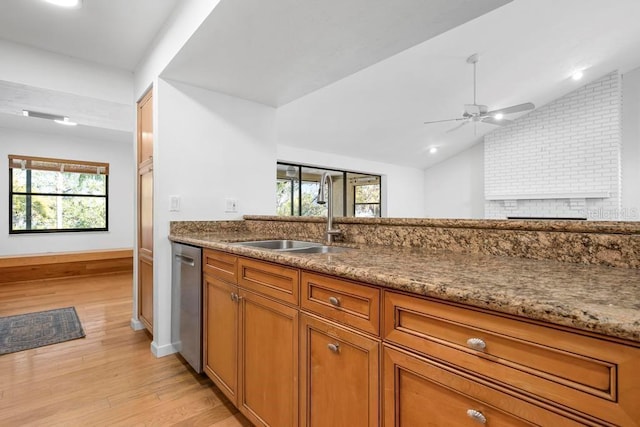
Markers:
{"x": 175, "y": 204}
{"x": 231, "y": 205}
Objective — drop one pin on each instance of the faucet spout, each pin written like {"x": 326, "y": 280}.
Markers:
{"x": 327, "y": 197}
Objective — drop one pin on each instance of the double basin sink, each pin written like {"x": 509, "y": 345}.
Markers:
{"x": 292, "y": 246}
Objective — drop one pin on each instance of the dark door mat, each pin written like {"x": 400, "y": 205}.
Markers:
{"x": 32, "y": 330}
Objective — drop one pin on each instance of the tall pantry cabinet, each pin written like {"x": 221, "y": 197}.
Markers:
{"x": 145, "y": 210}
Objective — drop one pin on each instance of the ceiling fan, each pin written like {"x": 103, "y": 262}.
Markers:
{"x": 480, "y": 113}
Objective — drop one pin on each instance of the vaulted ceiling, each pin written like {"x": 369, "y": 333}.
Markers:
{"x": 360, "y": 77}
{"x": 115, "y": 33}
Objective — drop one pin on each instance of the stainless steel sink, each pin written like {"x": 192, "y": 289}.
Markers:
{"x": 319, "y": 250}
{"x": 279, "y": 245}
{"x": 292, "y": 246}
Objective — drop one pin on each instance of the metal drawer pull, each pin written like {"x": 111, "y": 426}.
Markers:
{"x": 334, "y": 301}
{"x": 476, "y": 416}
{"x": 334, "y": 347}
{"x": 476, "y": 343}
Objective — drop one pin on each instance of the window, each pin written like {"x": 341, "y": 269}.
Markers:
{"x": 297, "y": 189}
{"x": 366, "y": 200}
{"x": 50, "y": 195}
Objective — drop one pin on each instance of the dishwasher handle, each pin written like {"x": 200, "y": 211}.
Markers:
{"x": 186, "y": 260}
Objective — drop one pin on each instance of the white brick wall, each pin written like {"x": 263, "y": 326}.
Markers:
{"x": 560, "y": 160}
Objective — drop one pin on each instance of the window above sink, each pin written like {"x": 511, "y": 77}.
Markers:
{"x": 355, "y": 194}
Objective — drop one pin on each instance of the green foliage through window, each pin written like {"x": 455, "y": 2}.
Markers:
{"x": 354, "y": 194}
{"x": 57, "y": 195}
{"x": 367, "y": 200}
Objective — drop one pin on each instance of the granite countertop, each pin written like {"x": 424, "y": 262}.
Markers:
{"x": 600, "y": 299}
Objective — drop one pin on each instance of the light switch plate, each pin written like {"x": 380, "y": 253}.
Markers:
{"x": 231, "y": 205}
{"x": 175, "y": 204}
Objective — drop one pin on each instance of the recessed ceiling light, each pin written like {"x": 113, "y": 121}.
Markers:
{"x": 433, "y": 150}
{"x": 498, "y": 116}
{"x": 66, "y": 3}
{"x": 577, "y": 75}
{"x": 65, "y": 121}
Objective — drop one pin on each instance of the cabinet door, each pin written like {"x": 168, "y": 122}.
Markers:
{"x": 423, "y": 392}
{"x": 268, "y": 389}
{"x": 221, "y": 335}
{"x": 145, "y": 291}
{"x": 339, "y": 376}
{"x": 145, "y": 211}
{"x": 145, "y": 128}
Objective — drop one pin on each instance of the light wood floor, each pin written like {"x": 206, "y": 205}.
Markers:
{"x": 109, "y": 378}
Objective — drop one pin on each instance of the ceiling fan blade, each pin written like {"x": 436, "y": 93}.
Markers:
{"x": 513, "y": 109}
{"x": 457, "y": 127}
{"x": 446, "y": 120}
{"x": 494, "y": 121}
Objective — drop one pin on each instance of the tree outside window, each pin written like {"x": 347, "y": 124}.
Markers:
{"x": 367, "y": 200}
{"x": 50, "y": 195}
{"x": 297, "y": 192}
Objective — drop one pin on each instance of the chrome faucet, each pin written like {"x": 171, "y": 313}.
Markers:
{"x": 328, "y": 199}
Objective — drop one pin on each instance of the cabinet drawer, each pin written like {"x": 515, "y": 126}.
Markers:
{"x": 583, "y": 373}
{"x": 273, "y": 280}
{"x": 220, "y": 264}
{"x": 419, "y": 391}
{"x": 350, "y": 303}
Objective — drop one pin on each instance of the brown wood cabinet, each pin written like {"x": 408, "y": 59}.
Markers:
{"x": 349, "y": 303}
{"x": 251, "y": 347}
{"x": 220, "y": 338}
{"x": 145, "y": 210}
{"x": 338, "y": 376}
{"x": 145, "y": 291}
{"x": 268, "y": 378}
{"x": 273, "y": 280}
{"x": 578, "y": 373}
{"x": 423, "y": 392}
{"x": 416, "y": 361}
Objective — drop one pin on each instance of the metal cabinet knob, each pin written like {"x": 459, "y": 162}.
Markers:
{"x": 476, "y": 416}
{"x": 334, "y": 301}
{"x": 476, "y": 343}
{"x": 334, "y": 347}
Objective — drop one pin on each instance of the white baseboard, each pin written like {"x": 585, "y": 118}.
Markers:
{"x": 136, "y": 325}
{"x": 163, "y": 350}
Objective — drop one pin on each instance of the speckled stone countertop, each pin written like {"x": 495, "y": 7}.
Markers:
{"x": 600, "y": 299}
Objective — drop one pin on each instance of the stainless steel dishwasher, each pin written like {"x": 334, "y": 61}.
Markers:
{"x": 186, "y": 303}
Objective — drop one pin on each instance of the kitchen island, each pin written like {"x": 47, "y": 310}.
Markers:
{"x": 573, "y": 320}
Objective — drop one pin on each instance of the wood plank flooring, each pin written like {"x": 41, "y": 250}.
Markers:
{"x": 109, "y": 378}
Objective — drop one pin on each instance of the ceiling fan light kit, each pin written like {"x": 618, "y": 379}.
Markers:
{"x": 480, "y": 113}
{"x": 577, "y": 75}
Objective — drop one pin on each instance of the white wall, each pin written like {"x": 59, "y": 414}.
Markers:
{"x": 631, "y": 146}
{"x": 40, "y": 68}
{"x": 207, "y": 147}
{"x": 454, "y": 188}
{"x": 118, "y": 155}
{"x": 402, "y": 187}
